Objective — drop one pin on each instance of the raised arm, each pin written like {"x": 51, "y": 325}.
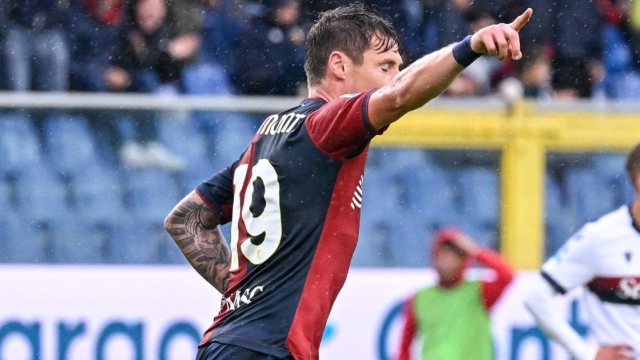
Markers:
{"x": 194, "y": 228}
{"x": 431, "y": 75}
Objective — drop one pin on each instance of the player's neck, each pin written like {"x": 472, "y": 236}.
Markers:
{"x": 322, "y": 93}
{"x": 635, "y": 210}
{"x": 329, "y": 89}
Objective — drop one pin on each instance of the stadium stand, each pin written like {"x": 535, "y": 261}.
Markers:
{"x": 62, "y": 184}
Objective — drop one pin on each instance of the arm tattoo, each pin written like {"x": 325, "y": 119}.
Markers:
{"x": 194, "y": 228}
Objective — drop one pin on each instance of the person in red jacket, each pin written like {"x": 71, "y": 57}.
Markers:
{"x": 452, "y": 317}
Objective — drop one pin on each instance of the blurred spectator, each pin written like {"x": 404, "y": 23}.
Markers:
{"x": 534, "y": 70}
{"x": 221, "y": 29}
{"x": 185, "y": 18}
{"x": 311, "y": 8}
{"x": 36, "y": 51}
{"x": 407, "y": 16}
{"x": 452, "y": 317}
{"x": 576, "y": 64}
{"x": 270, "y": 55}
{"x": 145, "y": 59}
{"x": 146, "y": 62}
{"x": 4, "y": 20}
{"x": 94, "y": 28}
{"x": 475, "y": 80}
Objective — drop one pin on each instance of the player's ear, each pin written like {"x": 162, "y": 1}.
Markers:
{"x": 337, "y": 62}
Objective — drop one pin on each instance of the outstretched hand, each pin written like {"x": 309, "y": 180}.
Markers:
{"x": 501, "y": 40}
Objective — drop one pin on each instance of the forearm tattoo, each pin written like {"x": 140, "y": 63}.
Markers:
{"x": 194, "y": 228}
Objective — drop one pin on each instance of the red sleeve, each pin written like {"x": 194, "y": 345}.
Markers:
{"x": 491, "y": 290}
{"x": 408, "y": 333}
{"x": 341, "y": 129}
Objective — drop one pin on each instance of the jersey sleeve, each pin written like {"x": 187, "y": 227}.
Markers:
{"x": 492, "y": 290}
{"x": 572, "y": 265}
{"x": 217, "y": 193}
{"x": 408, "y": 332}
{"x": 341, "y": 128}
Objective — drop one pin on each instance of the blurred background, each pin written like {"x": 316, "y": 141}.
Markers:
{"x": 112, "y": 110}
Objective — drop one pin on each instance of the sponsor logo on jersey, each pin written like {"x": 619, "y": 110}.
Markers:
{"x": 629, "y": 288}
{"x": 240, "y": 298}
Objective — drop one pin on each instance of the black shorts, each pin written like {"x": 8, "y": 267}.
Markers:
{"x": 217, "y": 351}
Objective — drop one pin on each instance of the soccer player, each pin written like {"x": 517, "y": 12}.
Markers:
{"x": 294, "y": 196}
{"x": 604, "y": 257}
{"x": 452, "y": 317}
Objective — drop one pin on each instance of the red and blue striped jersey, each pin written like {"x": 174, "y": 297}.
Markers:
{"x": 294, "y": 200}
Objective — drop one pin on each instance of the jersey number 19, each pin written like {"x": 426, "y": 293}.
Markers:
{"x": 260, "y": 212}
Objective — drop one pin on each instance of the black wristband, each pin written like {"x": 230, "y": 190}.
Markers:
{"x": 463, "y": 54}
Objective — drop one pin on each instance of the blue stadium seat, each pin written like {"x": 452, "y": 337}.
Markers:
{"x": 22, "y": 242}
{"x": 560, "y": 221}
{"x": 379, "y": 204}
{"x": 19, "y": 144}
{"x": 152, "y": 194}
{"x": 230, "y": 135}
{"x": 432, "y": 196}
{"x": 374, "y": 247}
{"x": 611, "y": 168}
{"x": 203, "y": 78}
{"x": 41, "y": 195}
{"x": 555, "y": 210}
{"x": 71, "y": 144}
{"x": 76, "y": 242}
{"x": 589, "y": 195}
{"x": 25, "y": 242}
{"x": 184, "y": 139}
{"x": 144, "y": 242}
{"x": 98, "y": 196}
{"x": 5, "y": 197}
{"x": 479, "y": 195}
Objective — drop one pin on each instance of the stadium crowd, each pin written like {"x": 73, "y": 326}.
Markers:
{"x": 105, "y": 166}
{"x": 573, "y": 49}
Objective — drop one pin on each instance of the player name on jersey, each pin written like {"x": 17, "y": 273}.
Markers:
{"x": 280, "y": 124}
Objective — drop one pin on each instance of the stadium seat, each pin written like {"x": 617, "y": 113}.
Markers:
{"x": 97, "y": 196}
{"x": 71, "y": 144}
{"x": 374, "y": 245}
{"x": 22, "y": 242}
{"x": 229, "y": 135}
{"x": 184, "y": 139}
{"x": 611, "y": 167}
{"x": 76, "y": 242}
{"x": 144, "y": 242}
{"x": 589, "y": 195}
{"x": 19, "y": 144}
{"x": 152, "y": 194}
{"x": 432, "y": 196}
{"x": 479, "y": 194}
{"x": 41, "y": 195}
{"x": 5, "y": 197}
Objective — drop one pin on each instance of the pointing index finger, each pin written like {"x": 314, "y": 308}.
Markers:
{"x": 519, "y": 22}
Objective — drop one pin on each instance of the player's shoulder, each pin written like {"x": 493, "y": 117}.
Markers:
{"x": 609, "y": 226}
{"x": 289, "y": 120}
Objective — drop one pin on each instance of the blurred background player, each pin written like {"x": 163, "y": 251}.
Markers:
{"x": 604, "y": 257}
{"x": 452, "y": 317}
